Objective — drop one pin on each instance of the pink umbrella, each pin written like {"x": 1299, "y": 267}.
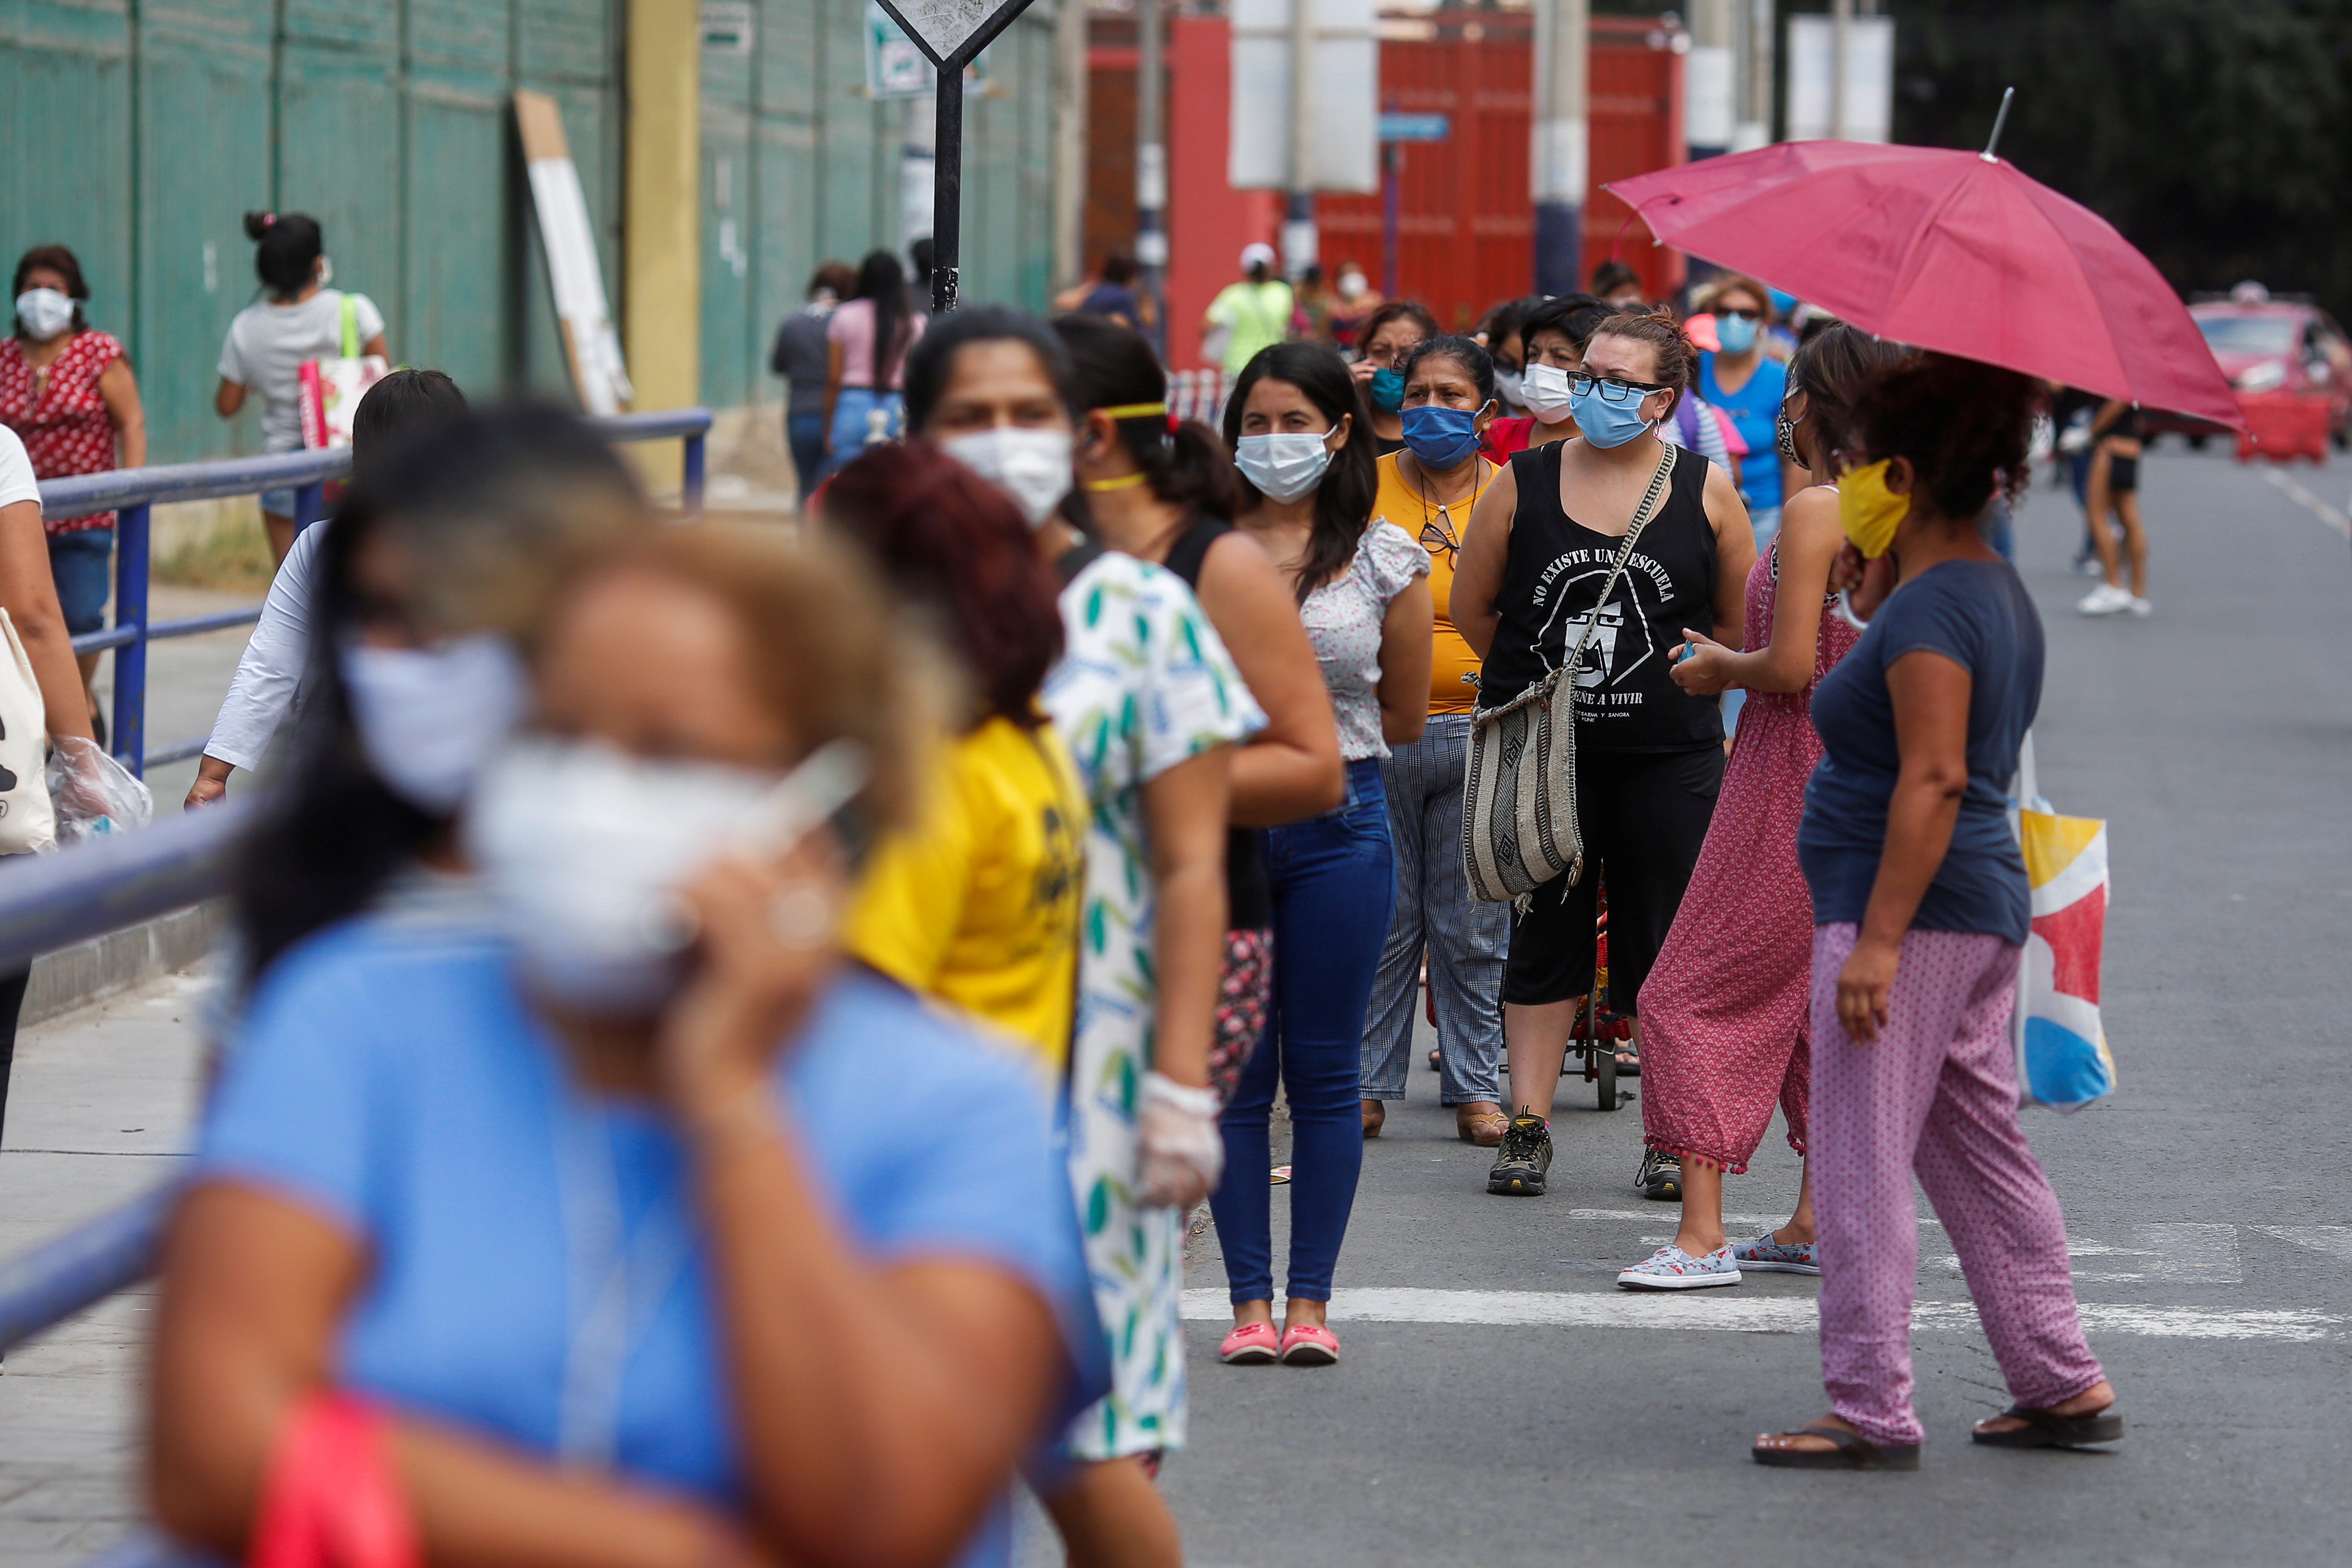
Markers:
{"x": 1949, "y": 250}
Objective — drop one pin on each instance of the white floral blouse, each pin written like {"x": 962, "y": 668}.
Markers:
{"x": 1343, "y": 619}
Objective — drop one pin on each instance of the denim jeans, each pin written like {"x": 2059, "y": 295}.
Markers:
{"x": 1334, "y": 880}
{"x": 804, "y": 435}
{"x": 851, "y": 426}
{"x": 79, "y": 563}
{"x": 1466, "y": 938}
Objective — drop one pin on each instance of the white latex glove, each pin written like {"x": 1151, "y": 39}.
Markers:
{"x": 1184, "y": 1153}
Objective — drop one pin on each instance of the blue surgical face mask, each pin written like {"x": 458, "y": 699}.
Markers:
{"x": 1440, "y": 438}
{"x": 1606, "y": 424}
{"x": 1736, "y": 334}
{"x": 1388, "y": 390}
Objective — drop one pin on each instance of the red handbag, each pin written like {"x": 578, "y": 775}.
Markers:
{"x": 331, "y": 1499}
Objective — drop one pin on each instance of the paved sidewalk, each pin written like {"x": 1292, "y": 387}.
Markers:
{"x": 99, "y": 1109}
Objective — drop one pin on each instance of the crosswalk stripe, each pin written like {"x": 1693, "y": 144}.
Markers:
{"x": 1717, "y": 1311}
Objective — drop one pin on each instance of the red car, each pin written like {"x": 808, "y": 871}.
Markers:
{"x": 2290, "y": 361}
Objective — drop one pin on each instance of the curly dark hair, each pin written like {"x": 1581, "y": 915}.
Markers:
{"x": 1833, "y": 368}
{"x": 1965, "y": 427}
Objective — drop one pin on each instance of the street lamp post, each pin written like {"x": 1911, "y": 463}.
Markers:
{"x": 947, "y": 34}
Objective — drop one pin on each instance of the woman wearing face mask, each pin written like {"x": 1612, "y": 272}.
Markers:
{"x": 1544, "y": 542}
{"x": 269, "y": 339}
{"x": 866, "y": 340}
{"x": 566, "y": 1235}
{"x": 1503, "y": 333}
{"x": 1357, "y": 299}
{"x": 1723, "y": 1035}
{"x": 1151, "y": 706}
{"x": 1389, "y": 335}
{"x": 1553, "y": 332}
{"x": 1359, "y": 584}
{"x": 68, "y": 393}
{"x": 1747, "y": 384}
{"x": 1428, "y": 490}
{"x": 1166, "y": 491}
{"x": 977, "y": 902}
{"x": 270, "y": 673}
{"x": 1921, "y": 911}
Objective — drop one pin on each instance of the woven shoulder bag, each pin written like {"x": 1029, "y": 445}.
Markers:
{"x": 1519, "y": 827}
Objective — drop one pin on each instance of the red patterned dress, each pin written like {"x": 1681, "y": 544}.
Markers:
{"x": 1724, "y": 1012}
{"x": 64, "y": 423}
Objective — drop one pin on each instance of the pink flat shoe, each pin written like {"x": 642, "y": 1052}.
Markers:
{"x": 1309, "y": 1344}
{"x": 1251, "y": 1345}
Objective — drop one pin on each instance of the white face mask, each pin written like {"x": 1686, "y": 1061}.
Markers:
{"x": 1351, "y": 284}
{"x": 585, "y": 848}
{"x": 1283, "y": 467}
{"x": 44, "y": 312}
{"x": 326, "y": 271}
{"x": 1544, "y": 390}
{"x": 430, "y": 718}
{"x": 1032, "y": 467}
{"x": 1507, "y": 386}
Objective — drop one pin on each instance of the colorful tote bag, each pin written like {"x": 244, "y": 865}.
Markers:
{"x": 2062, "y": 1060}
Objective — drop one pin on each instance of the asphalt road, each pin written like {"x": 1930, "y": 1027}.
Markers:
{"x": 2213, "y": 1243}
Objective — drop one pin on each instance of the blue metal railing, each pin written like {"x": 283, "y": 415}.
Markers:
{"x": 129, "y": 493}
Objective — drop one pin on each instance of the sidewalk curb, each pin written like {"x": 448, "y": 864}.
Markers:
{"x": 91, "y": 971}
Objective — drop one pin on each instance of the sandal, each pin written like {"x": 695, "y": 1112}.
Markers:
{"x": 1480, "y": 1122}
{"x": 2048, "y": 1429}
{"x": 1853, "y": 1452}
{"x": 1376, "y": 1116}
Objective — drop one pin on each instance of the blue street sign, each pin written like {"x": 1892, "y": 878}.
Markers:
{"x": 1416, "y": 127}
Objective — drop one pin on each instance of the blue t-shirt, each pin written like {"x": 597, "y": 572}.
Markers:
{"x": 1753, "y": 409}
{"x": 1978, "y": 614}
{"x": 393, "y": 1080}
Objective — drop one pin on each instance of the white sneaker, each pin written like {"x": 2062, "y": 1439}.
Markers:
{"x": 2105, "y": 599}
{"x": 2141, "y": 609}
{"x": 1672, "y": 1269}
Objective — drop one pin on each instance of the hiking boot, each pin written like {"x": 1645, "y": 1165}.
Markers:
{"x": 1661, "y": 1176}
{"x": 1523, "y": 1159}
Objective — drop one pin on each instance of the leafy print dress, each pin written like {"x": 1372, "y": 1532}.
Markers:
{"x": 1144, "y": 684}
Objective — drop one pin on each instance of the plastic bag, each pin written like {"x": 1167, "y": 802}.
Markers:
{"x": 92, "y": 793}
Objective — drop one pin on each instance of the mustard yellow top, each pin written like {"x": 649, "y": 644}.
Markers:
{"x": 1402, "y": 504}
{"x": 977, "y": 905}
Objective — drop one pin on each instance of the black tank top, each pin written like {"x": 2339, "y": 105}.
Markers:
{"x": 1627, "y": 700}
{"x": 1249, "y": 896}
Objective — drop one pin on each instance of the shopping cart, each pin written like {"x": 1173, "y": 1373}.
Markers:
{"x": 1597, "y": 1047}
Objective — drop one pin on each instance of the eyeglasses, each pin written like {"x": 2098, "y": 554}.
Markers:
{"x": 1435, "y": 537}
{"x": 1748, "y": 314}
{"x": 1611, "y": 391}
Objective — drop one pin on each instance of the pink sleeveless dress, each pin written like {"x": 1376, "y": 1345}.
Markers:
{"x": 1723, "y": 1013}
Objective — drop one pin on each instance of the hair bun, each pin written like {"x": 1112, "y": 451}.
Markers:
{"x": 258, "y": 224}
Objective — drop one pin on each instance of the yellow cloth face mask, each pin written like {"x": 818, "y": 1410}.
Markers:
{"x": 1868, "y": 510}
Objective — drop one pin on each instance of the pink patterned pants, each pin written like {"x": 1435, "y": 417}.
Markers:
{"x": 1934, "y": 1095}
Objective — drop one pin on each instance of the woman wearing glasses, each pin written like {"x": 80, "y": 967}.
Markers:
{"x": 1296, "y": 425}
{"x": 1542, "y": 545}
{"x": 1748, "y": 384}
{"x": 1427, "y": 490}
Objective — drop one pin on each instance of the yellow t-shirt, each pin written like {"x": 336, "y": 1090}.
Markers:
{"x": 1429, "y": 523}
{"x": 977, "y": 905}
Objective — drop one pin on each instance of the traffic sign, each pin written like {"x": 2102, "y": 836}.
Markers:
{"x": 1416, "y": 127}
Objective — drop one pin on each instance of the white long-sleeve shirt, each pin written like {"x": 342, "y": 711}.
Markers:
{"x": 268, "y": 680}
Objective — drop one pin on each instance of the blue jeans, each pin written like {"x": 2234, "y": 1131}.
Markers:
{"x": 79, "y": 563}
{"x": 851, "y": 426}
{"x": 804, "y": 435}
{"x": 1466, "y": 936}
{"x": 1334, "y": 879}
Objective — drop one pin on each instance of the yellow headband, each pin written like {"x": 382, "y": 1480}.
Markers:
{"x": 1134, "y": 410}
{"x": 1124, "y": 482}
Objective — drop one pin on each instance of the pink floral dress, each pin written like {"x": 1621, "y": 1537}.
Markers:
{"x": 1724, "y": 1011}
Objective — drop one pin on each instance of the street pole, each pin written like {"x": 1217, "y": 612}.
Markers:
{"x": 1564, "y": 29}
{"x": 1150, "y": 164}
{"x": 1754, "y": 127}
{"x": 1299, "y": 226}
{"x": 1711, "y": 79}
{"x": 1841, "y": 39}
{"x": 946, "y": 192}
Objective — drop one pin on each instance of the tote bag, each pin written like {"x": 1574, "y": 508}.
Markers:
{"x": 28, "y": 823}
{"x": 331, "y": 389}
{"x": 2062, "y": 1060}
